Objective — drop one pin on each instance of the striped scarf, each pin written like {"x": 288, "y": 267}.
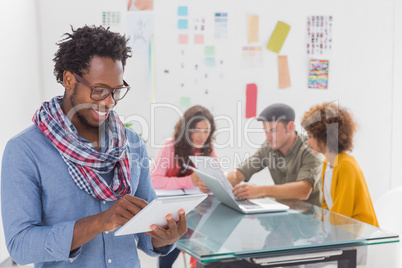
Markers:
{"x": 85, "y": 163}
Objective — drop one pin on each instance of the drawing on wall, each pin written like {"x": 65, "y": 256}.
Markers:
{"x": 283, "y": 72}
{"x": 252, "y": 57}
{"x": 110, "y": 18}
{"x": 278, "y": 37}
{"x": 319, "y": 35}
{"x": 140, "y": 27}
{"x": 221, "y": 25}
{"x": 318, "y": 74}
{"x": 253, "y": 28}
{"x": 138, "y": 5}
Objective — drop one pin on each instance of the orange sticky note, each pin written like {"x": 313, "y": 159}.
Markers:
{"x": 253, "y": 25}
{"x": 283, "y": 72}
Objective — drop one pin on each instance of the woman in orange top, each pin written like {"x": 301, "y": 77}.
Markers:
{"x": 330, "y": 130}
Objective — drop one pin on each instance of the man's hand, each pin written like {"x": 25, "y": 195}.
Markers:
{"x": 121, "y": 212}
{"x": 117, "y": 215}
{"x": 198, "y": 182}
{"x": 163, "y": 237}
{"x": 235, "y": 177}
{"x": 247, "y": 191}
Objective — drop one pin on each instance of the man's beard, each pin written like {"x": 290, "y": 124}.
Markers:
{"x": 78, "y": 113}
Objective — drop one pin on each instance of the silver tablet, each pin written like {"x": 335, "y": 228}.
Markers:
{"x": 156, "y": 211}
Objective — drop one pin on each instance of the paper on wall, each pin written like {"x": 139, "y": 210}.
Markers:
{"x": 278, "y": 37}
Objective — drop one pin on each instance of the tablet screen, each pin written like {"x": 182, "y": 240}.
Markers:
{"x": 156, "y": 211}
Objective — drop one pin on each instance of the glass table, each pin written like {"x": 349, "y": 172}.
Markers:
{"x": 303, "y": 234}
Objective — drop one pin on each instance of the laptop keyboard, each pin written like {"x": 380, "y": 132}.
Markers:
{"x": 246, "y": 203}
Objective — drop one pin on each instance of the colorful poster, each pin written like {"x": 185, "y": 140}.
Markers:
{"x": 278, "y": 37}
{"x": 283, "y": 72}
{"x": 319, "y": 35}
{"x": 318, "y": 75}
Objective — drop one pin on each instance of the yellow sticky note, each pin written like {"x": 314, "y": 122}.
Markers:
{"x": 253, "y": 28}
{"x": 278, "y": 37}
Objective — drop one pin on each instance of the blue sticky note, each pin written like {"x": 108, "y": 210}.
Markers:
{"x": 182, "y": 11}
{"x": 209, "y": 61}
{"x": 183, "y": 24}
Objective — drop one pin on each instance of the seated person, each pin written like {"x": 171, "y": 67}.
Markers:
{"x": 330, "y": 130}
{"x": 193, "y": 135}
{"x": 294, "y": 170}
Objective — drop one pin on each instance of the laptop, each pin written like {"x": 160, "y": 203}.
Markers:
{"x": 209, "y": 171}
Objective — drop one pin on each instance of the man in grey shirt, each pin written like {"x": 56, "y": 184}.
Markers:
{"x": 295, "y": 171}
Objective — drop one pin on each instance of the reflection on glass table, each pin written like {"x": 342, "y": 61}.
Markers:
{"x": 217, "y": 232}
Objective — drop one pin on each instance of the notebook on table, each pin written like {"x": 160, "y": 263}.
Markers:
{"x": 210, "y": 172}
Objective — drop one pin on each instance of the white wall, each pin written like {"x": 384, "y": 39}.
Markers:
{"x": 19, "y": 73}
{"x": 364, "y": 72}
{"x": 360, "y": 69}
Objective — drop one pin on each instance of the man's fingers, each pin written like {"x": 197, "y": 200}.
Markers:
{"x": 132, "y": 204}
{"x": 135, "y": 200}
{"x": 182, "y": 223}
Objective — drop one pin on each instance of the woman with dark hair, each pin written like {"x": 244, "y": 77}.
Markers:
{"x": 330, "y": 130}
{"x": 193, "y": 135}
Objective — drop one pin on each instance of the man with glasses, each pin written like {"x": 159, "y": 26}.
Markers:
{"x": 77, "y": 173}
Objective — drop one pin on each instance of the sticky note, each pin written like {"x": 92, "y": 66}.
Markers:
{"x": 209, "y": 51}
{"x": 283, "y": 72}
{"x": 251, "y": 100}
{"x": 183, "y": 24}
{"x": 185, "y": 102}
{"x": 210, "y": 61}
{"x": 183, "y": 39}
{"x": 182, "y": 11}
{"x": 278, "y": 37}
{"x": 199, "y": 39}
{"x": 253, "y": 26}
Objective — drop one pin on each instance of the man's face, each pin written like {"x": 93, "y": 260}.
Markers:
{"x": 88, "y": 113}
{"x": 278, "y": 135}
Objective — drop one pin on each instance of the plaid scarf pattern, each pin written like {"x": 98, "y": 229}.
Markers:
{"x": 85, "y": 163}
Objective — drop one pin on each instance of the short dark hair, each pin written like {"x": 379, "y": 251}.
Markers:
{"x": 277, "y": 112}
{"x": 331, "y": 125}
{"x": 78, "y": 48}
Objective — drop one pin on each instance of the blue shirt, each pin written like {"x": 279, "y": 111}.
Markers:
{"x": 41, "y": 204}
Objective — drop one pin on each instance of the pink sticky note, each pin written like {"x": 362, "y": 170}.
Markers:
{"x": 199, "y": 39}
{"x": 251, "y": 100}
{"x": 183, "y": 39}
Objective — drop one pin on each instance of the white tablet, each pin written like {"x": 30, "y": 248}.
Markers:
{"x": 156, "y": 211}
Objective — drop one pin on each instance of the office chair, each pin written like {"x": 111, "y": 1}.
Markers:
{"x": 389, "y": 216}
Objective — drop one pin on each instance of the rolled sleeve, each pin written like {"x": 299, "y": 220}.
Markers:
{"x": 58, "y": 242}
{"x": 310, "y": 170}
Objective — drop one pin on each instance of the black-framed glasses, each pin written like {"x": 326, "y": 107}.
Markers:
{"x": 101, "y": 93}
